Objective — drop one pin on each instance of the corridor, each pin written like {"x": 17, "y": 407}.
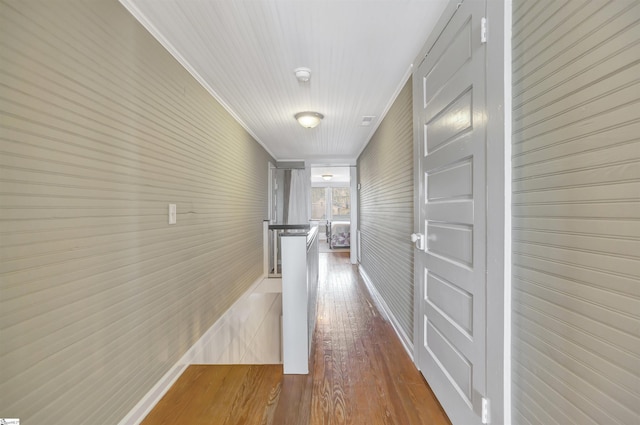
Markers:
{"x": 360, "y": 373}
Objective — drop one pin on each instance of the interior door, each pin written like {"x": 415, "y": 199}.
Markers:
{"x": 449, "y": 96}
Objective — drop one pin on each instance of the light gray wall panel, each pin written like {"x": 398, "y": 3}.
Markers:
{"x": 385, "y": 173}
{"x": 576, "y": 204}
{"x": 100, "y": 130}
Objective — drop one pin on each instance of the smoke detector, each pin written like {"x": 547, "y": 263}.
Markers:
{"x": 303, "y": 74}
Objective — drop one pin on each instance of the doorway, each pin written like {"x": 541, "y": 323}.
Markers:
{"x": 332, "y": 207}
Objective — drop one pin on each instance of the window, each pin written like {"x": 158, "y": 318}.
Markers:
{"x": 318, "y": 203}
{"x": 340, "y": 203}
{"x": 330, "y": 203}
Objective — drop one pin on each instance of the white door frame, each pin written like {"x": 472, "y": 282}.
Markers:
{"x": 353, "y": 184}
{"x": 499, "y": 210}
{"x": 498, "y": 225}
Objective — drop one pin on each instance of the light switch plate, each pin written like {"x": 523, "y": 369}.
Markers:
{"x": 173, "y": 216}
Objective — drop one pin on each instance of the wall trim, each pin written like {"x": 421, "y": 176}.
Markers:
{"x": 195, "y": 354}
{"x": 384, "y": 309}
{"x": 148, "y": 402}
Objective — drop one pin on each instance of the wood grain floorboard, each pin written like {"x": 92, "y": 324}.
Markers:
{"x": 221, "y": 395}
{"x": 360, "y": 373}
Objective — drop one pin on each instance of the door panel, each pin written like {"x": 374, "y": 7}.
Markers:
{"x": 461, "y": 44}
{"x": 454, "y": 119}
{"x": 454, "y": 302}
{"x": 450, "y": 360}
{"x": 450, "y": 242}
{"x": 451, "y": 85}
{"x": 455, "y": 181}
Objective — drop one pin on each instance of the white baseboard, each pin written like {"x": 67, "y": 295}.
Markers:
{"x": 148, "y": 402}
{"x": 386, "y": 311}
{"x": 213, "y": 346}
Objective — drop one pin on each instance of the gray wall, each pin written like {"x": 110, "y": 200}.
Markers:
{"x": 101, "y": 129}
{"x": 385, "y": 173}
{"x": 576, "y": 234}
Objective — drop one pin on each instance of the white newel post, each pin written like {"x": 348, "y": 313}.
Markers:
{"x": 299, "y": 288}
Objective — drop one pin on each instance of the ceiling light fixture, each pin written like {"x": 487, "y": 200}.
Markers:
{"x": 327, "y": 177}
{"x": 309, "y": 119}
{"x": 303, "y": 74}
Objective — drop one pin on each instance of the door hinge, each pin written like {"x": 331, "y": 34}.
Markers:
{"x": 483, "y": 30}
{"x": 485, "y": 417}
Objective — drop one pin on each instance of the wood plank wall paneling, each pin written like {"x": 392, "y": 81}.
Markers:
{"x": 576, "y": 205}
{"x": 100, "y": 130}
{"x": 385, "y": 173}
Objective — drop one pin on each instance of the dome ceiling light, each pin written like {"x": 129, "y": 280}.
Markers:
{"x": 309, "y": 119}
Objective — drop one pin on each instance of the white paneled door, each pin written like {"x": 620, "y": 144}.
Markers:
{"x": 449, "y": 96}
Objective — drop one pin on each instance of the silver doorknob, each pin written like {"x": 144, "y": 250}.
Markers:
{"x": 418, "y": 239}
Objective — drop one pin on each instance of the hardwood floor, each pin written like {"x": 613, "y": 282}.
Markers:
{"x": 217, "y": 394}
{"x": 360, "y": 373}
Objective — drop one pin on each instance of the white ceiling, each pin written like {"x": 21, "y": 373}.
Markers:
{"x": 244, "y": 52}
